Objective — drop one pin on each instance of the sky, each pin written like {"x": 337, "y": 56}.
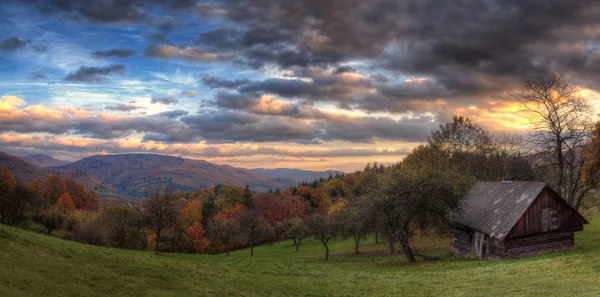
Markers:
{"x": 305, "y": 84}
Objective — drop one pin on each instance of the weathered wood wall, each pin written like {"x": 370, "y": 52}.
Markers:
{"x": 539, "y": 244}
{"x": 460, "y": 241}
{"x": 548, "y": 213}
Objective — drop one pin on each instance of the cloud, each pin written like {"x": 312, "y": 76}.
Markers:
{"x": 190, "y": 93}
{"x": 158, "y": 37}
{"x": 167, "y": 100}
{"x": 37, "y": 75}
{"x": 189, "y": 53}
{"x": 94, "y": 74}
{"x": 172, "y": 114}
{"x": 39, "y": 48}
{"x": 116, "y": 52}
{"x": 11, "y": 44}
{"x": 122, "y": 107}
{"x": 12, "y": 100}
{"x": 216, "y": 82}
{"x": 101, "y": 11}
{"x": 95, "y": 146}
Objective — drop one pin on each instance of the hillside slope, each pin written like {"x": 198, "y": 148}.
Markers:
{"x": 297, "y": 175}
{"x": 21, "y": 170}
{"x": 39, "y": 265}
{"x": 43, "y": 160}
{"x": 25, "y": 171}
{"x": 134, "y": 174}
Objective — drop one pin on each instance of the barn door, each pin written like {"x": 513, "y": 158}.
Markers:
{"x": 479, "y": 244}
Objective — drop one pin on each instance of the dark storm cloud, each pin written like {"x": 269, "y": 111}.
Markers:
{"x": 94, "y": 74}
{"x": 11, "y": 44}
{"x": 102, "y": 11}
{"x": 115, "y": 52}
{"x": 282, "y": 87}
{"x": 233, "y": 126}
{"x": 216, "y": 82}
{"x": 344, "y": 69}
{"x": 501, "y": 44}
{"x": 164, "y": 100}
{"x": 173, "y": 114}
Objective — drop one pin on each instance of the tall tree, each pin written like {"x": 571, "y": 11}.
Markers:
{"x": 7, "y": 186}
{"x": 55, "y": 187}
{"x": 561, "y": 124}
{"x": 358, "y": 220}
{"x": 418, "y": 194}
{"x": 160, "y": 211}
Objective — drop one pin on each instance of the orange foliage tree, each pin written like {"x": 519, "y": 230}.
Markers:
{"x": 65, "y": 202}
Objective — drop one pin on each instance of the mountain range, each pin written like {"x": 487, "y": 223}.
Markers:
{"x": 44, "y": 160}
{"x": 134, "y": 174}
{"x": 297, "y": 175}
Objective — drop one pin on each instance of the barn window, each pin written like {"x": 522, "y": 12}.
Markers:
{"x": 549, "y": 219}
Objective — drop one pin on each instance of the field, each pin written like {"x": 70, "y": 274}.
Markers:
{"x": 37, "y": 265}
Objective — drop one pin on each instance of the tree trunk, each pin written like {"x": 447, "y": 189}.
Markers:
{"x": 391, "y": 245}
{"x": 326, "y": 249}
{"x": 410, "y": 257}
{"x": 157, "y": 241}
{"x": 376, "y": 237}
{"x": 561, "y": 167}
{"x": 356, "y": 243}
{"x": 252, "y": 251}
{"x": 297, "y": 244}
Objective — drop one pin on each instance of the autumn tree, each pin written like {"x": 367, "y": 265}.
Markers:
{"x": 253, "y": 229}
{"x": 7, "y": 186}
{"x": 92, "y": 200}
{"x": 324, "y": 228}
{"x": 197, "y": 235}
{"x": 65, "y": 202}
{"x": 55, "y": 187}
{"x": 77, "y": 193}
{"x": 560, "y": 119}
{"x": 225, "y": 227}
{"x": 160, "y": 212}
{"x": 123, "y": 226}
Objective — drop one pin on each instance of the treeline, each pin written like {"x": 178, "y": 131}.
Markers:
{"x": 46, "y": 202}
{"x": 393, "y": 202}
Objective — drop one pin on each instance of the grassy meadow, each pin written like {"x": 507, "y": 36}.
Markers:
{"x": 32, "y": 264}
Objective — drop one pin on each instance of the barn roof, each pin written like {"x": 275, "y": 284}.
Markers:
{"x": 495, "y": 207}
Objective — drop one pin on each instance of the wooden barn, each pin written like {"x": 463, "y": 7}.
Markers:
{"x": 513, "y": 219}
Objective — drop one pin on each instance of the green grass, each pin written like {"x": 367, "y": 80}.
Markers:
{"x": 37, "y": 265}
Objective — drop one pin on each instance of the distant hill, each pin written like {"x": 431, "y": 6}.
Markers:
{"x": 134, "y": 174}
{"x": 21, "y": 170}
{"x": 25, "y": 171}
{"x": 296, "y": 175}
{"x": 44, "y": 160}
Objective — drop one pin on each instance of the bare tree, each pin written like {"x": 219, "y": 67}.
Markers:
{"x": 560, "y": 118}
